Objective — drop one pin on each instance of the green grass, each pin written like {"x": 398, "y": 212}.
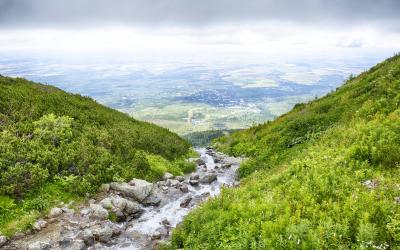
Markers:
{"x": 55, "y": 146}
{"x": 302, "y": 185}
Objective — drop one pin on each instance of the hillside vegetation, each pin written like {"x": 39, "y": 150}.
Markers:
{"x": 326, "y": 175}
{"x": 56, "y": 146}
{"x": 204, "y": 138}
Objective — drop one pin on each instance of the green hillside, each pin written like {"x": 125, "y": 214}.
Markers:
{"x": 59, "y": 146}
{"x": 326, "y": 175}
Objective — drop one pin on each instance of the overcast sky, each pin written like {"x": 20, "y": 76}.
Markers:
{"x": 240, "y": 26}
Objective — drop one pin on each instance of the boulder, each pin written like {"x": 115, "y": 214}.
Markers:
{"x": 184, "y": 188}
{"x": 39, "y": 225}
{"x": 3, "y": 240}
{"x": 106, "y": 203}
{"x": 226, "y": 165}
{"x": 186, "y": 201}
{"x": 208, "y": 178}
{"x": 55, "y": 212}
{"x": 371, "y": 184}
{"x": 67, "y": 210}
{"x": 132, "y": 208}
{"x": 200, "y": 162}
{"x": 180, "y": 178}
{"x": 39, "y": 245}
{"x": 173, "y": 183}
{"x": 119, "y": 202}
{"x": 136, "y": 189}
{"x": 217, "y": 160}
{"x": 152, "y": 200}
{"x": 194, "y": 176}
{"x": 103, "y": 234}
{"x": 166, "y": 223}
{"x": 99, "y": 211}
{"x": 194, "y": 182}
{"x": 397, "y": 200}
{"x": 87, "y": 236}
{"x": 167, "y": 176}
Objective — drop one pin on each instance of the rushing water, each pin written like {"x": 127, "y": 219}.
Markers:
{"x": 140, "y": 231}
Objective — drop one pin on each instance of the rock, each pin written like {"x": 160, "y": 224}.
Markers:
{"x": 173, "y": 183}
{"x": 39, "y": 245}
{"x": 167, "y": 176}
{"x": 208, "y": 178}
{"x": 18, "y": 235}
{"x": 3, "y": 240}
{"x": 194, "y": 182}
{"x": 200, "y": 162}
{"x": 180, "y": 178}
{"x": 99, "y": 211}
{"x": 206, "y": 194}
{"x": 226, "y": 165}
{"x": 87, "y": 236}
{"x": 397, "y": 200}
{"x": 186, "y": 201}
{"x": 85, "y": 211}
{"x": 103, "y": 234}
{"x": 152, "y": 200}
{"x": 106, "y": 203}
{"x": 119, "y": 202}
{"x": 67, "y": 210}
{"x": 156, "y": 235}
{"x": 371, "y": 184}
{"x": 166, "y": 223}
{"x": 161, "y": 183}
{"x": 184, "y": 188}
{"x": 136, "y": 189}
{"x": 132, "y": 208}
{"x": 39, "y": 225}
{"x": 55, "y": 212}
{"x": 104, "y": 188}
{"x": 194, "y": 176}
{"x": 76, "y": 245}
{"x": 217, "y": 160}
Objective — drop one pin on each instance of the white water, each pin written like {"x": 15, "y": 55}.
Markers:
{"x": 138, "y": 234}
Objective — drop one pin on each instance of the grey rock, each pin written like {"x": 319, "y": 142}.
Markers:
{"x": 217, "y": 160}
{"x": 39, "y": 225}
{"x": 55, "y": 212}
{"x": 200, "y": 162}
{"x": 119, "y": 202}
{"x": 194, "y": 182}
{"x": 167, "y": 176}
{"x": 226, "y": 165}
{"x": 39, "y": 245}
{"x": 85, "y": 211}
{"x": 186, "y": 201}
{"x": 99, "y": 211}
{"x": 166, "y": 223}
{"x": 136, "y": 189}
{"x": 184, "y": 188}
{"x": 371, "y": 184}
{"x": 106, "y": 203}
{"x": 152, "y": 200}
{"x": 173, "y": 183}
{"x": 194, "y": 176}
{"x": 67, "y": 210}
{"x": 180, "y": 178}
{"x": 208, "y": 178}
{"x": 76, "y": 245}
{"x": 156, "y": 235}
{"x": 87, "y": 236}
{"x": 18, "y": 235}
{"x": 132, "y": 208}
{"x": 397, "y": 200}
{"x": 3, "y": 240}
{"x": 103, "y": 234}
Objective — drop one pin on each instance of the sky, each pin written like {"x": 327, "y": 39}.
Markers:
{"x": 207, "y": 27}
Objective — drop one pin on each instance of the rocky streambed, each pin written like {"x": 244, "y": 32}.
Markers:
{"x": 134, "y": 215}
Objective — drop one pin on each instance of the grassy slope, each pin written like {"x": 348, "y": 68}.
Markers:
{"x": 302, "y": 186}
{"x": 55, "y": 146}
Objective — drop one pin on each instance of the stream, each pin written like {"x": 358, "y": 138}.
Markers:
{"x": 146, "y": 213}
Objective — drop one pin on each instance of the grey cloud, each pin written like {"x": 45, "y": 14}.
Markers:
{"x": 35, "y": 13}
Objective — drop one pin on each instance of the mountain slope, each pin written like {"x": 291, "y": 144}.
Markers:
{"x": 55, "y": 145}
{"x": 323, "y": 176}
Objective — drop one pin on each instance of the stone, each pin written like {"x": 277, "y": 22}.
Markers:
{"x": 217, "y": 160}
{"x": 85, "y": 211}
{"x": 87, "y": 236}
{"x": 76, "y": 245}
{"x": 371, "y": 184}
{"x": 103, "y": 234}
{"x": 194, "y": 176}
{"x": 173, "y": 183}
{"x": 104, "y": 188}
{"x": 397, "y": 200}
{"x": 180, "y": 178}
{"x": 200, "y": 162}
{"x": 39, "y": 225}
{"x": 18, "y": 235}
{"x": 206, "y": 194}
{"x": 194, "y": 182}
{"x": 167, "y": 176}
{"x": 186, "y": 201}
{"x": 55, "y": 212}
{"x": 99, "y": 211}
{"x": 3, "y": 240}
{"x": 152, "y": 200}
{"x": 184, "y": 188}
{"x": 208, "y": 178}
{"x": 132, "y": 208}
{"x": 119, "y": 202}
{"x": 136, "y": 189}
{"x": 226, "y": 165}
{"x": 166, "y": 223}
{"x": 39, "y": 245}
{"x": 156, "y": 235}
{"x": 68, "y": 210}
{"x": 106, "y": 203}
